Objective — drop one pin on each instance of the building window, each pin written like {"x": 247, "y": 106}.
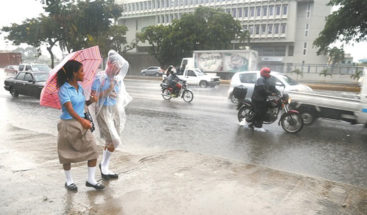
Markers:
{"x": 257, "y": 29}
{"x": 290, "y": 50}
{"x": 271, "y": 10}
{"x": 234, "y": 12}
{"x": 263, "y": 29}
{"x": 239, "y": 12}
{"x": 305, "y": 48}
{"x": 158, "y": 19}
{"x": 270, "y": 28}
{"x": 306, "y": 30}
{"x": 308, "y": 11}
{"x": 277, "y": 10}
{"x": 284, "y": 26}
{"x": 158, "y": 4}
{"x": 244, "y": 27}
{"x": 228, "y": 11}
{"x": 252, "y": 11}
{"x": 245, "y": 12}
{"x": 258, "y": 11}
{"x": 265, "y": 10}
{"x": 251, "y": 29}
{"x": 276, "y": 28}
{"x": 285, "y": 9}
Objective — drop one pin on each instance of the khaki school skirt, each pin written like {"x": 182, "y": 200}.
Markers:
{"x": 74, "y": 143}
{"x": 109, "y": 123}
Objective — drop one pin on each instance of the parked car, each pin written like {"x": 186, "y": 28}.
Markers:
{"x": 11, "y": 69}
{"x": 152, "y": 71}
{"x": 248, "y": 79}
{"x": 34, "y": 68}
{"x": 26, "y": 83}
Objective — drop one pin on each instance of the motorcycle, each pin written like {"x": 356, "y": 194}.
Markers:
{"x": 184, "y": 93}
{"x": 290, "y": 120}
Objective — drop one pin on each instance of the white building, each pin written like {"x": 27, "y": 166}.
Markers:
{"x": 282, "y": 31}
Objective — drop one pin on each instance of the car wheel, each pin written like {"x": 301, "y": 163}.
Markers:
{"x": 14, "y": 92}
{"x": 143, "y": 74}
{"x": 234, "y": 100}
{"x": 203, "y": 84}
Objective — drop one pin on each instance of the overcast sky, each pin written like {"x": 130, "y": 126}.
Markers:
{"x": 15, "y": 11}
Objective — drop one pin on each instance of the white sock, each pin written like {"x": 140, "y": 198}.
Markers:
{"x": 106, "y": 162}
{"x": 69, "y": 179}
{"x": 91, "y": 175}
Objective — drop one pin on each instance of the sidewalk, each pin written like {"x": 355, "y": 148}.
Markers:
{"x": 314, "y": 85}
{"x": 170, "y": 182}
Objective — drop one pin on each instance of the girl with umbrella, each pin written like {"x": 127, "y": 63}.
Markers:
{"x": 75, "y": 140}
{"x": 110, "y": 109}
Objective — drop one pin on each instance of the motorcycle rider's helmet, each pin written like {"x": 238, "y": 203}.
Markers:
{"x": 265, "y": 72}
{"x": 170, "y": 69}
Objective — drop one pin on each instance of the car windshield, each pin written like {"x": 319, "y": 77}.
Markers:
{"x": 199, "y": 72}
{"x": 288, "y": 80}
{"x": 42, "y": 68}
{"x": 40, "y": 77}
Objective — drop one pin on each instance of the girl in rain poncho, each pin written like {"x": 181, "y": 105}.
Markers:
{"x": 110, "y": 109}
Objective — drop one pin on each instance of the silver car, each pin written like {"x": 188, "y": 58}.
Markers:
{"x": 248, "y": 79}
{"x": 152, "y": 71}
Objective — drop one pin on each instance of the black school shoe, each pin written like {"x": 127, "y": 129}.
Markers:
{"x": 108, "y": 176}
{"x": 97, "y": 186}
{"x": 71, "y": 187}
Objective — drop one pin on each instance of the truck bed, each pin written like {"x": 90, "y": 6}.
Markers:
{"x": 320, "y": 99}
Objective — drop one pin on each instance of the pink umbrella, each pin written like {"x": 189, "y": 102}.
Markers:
{"x": 90, "y": 58}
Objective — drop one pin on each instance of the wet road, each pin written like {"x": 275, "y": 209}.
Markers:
{"x": 328, "y": 149}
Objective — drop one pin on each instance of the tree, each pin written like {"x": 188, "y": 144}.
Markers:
{"x": 348, "y": 23}
{"x": 73, "y": 25}
{"x": 35, "y": 32}
{"x": 205, "y": 29}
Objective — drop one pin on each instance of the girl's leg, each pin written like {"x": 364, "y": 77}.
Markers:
{"x": 69, "y": 184}
{"x": 91, "y": 181}
{"x": 69, "y": 179}
{"x": 107, "y": 152}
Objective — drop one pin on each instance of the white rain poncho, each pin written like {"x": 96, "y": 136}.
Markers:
{"x": 109, "y": 87}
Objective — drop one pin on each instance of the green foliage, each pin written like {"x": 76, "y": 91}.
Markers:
{"x": 336, "y": 55}
{"x": 74, "y": 25}
{"x": 325, "y": 73}
{"x": 205, "y": 29}
{"x": 347, "y": 23}
{"x": 357, "y": 74}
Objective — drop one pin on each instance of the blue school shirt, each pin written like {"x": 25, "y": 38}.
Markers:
{"x": 96, "y": 86}
{"x": 68, "y": 93}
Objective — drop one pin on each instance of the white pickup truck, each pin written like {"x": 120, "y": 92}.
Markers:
{"x": 194, "y": 76}
{"x": 314, "y": 105}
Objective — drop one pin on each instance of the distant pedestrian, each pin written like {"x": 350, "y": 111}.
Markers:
{"x": 75, "y": 141}
{"x": 110, "y": 109}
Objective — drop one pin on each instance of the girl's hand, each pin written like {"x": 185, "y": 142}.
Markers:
{"x": 93, "y": 98}
{"x": 86, "y": 124}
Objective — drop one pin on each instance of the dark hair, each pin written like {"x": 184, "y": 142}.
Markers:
{"x": 66, "y": 72}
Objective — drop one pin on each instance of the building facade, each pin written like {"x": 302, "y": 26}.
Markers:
{"x": 282, "y": 31}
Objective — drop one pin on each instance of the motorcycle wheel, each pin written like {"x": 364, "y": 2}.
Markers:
{"x": 187, "y": 96}
{"x": 246, "y": 112}
{"x": 292, "y": 122}
{"x": 166, "y": 95}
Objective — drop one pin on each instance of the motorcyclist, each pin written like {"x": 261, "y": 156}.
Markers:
{"x": 264, "y": 87}
{"x": 173, "y": 80}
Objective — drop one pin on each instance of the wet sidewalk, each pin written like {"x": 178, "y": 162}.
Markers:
{"x": 172, "y": 182}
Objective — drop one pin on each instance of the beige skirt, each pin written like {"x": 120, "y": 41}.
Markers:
{"x": 74, "y": 143}
{"x": 109, "y": 123}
